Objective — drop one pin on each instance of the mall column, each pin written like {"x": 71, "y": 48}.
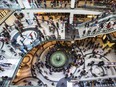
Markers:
{"x": 71, "y": 18}
{"x": 72, "y": 4}
{"x": 20, "y": 3}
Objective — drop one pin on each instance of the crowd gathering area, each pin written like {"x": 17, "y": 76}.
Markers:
{"x": 44, "y": 52}
{"x": 60, "y": 61}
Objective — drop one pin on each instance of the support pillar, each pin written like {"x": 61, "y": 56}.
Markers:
{"x": 72, "y": 4}
{"x": 71, "y": 18}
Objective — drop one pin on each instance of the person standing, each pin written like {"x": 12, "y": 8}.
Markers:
{"x": 60, "y": 3}
{"x": 65, "y": 4}
{"x": 36, "y": 3}
{"x": 47, "y": 22}
{"x": 6, "y": 25}
{"x": 31, "y": 36}
{"x": 85, "y": 3}
{"x": 44, "y": 32}
{"x": 37, "y": 21}
{"x": 54, "y": 3}
{"x": 45, "y": 4}
{"x": 39, "y": 3}
{"x": 57, "y": 24}
{"x": 22, "y": 42}
{"x": 57, "y": 1}
{"x": 101, "y": 25}
{"x": 5, "y": 29}
{"x": 51, "y": 4}
{"x": 28, "y": 21}
{"x": 63, "y": 23}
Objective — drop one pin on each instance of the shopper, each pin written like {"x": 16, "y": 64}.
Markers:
{"x": 65, "y": 4}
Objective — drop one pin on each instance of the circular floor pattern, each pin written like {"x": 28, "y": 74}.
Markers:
{"x": 28, "y": 37}
{"x": 53, "y": 54}
{"x": 52, "y": 69}
{"x": 58, "y": 59}
{"x": 97, "y": 71}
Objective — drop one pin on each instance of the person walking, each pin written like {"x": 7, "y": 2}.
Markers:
{"x": 31, "y": 36}
{"x": 45, "y": 6}
{"x": 60, "y": 3}
{"x": 51, "y": 4}
{"x": 5, "y": 29}
{"x": 57, "y": 24}
{"x": 6, "y": 25}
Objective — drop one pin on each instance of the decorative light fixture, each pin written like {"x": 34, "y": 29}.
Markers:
{"x": 89, "y": 16}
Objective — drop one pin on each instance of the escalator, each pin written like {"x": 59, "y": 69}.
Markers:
{"x": 102, "y": 24}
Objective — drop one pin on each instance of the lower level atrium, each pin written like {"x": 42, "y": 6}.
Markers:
{"x": 83, "y": 63}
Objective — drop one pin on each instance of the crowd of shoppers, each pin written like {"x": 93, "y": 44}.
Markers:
{"x": 96, "y": 25}
{"x": 78, "y": 59}
{"x": 49, "y": 4}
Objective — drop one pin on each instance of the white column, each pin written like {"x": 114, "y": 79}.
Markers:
{"x": 72, "y": 3}
{"x": 71, "y": 18}
{"x": 20, "y": 3}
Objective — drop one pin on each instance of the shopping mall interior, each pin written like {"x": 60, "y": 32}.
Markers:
{"x": 58, "y": 43}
